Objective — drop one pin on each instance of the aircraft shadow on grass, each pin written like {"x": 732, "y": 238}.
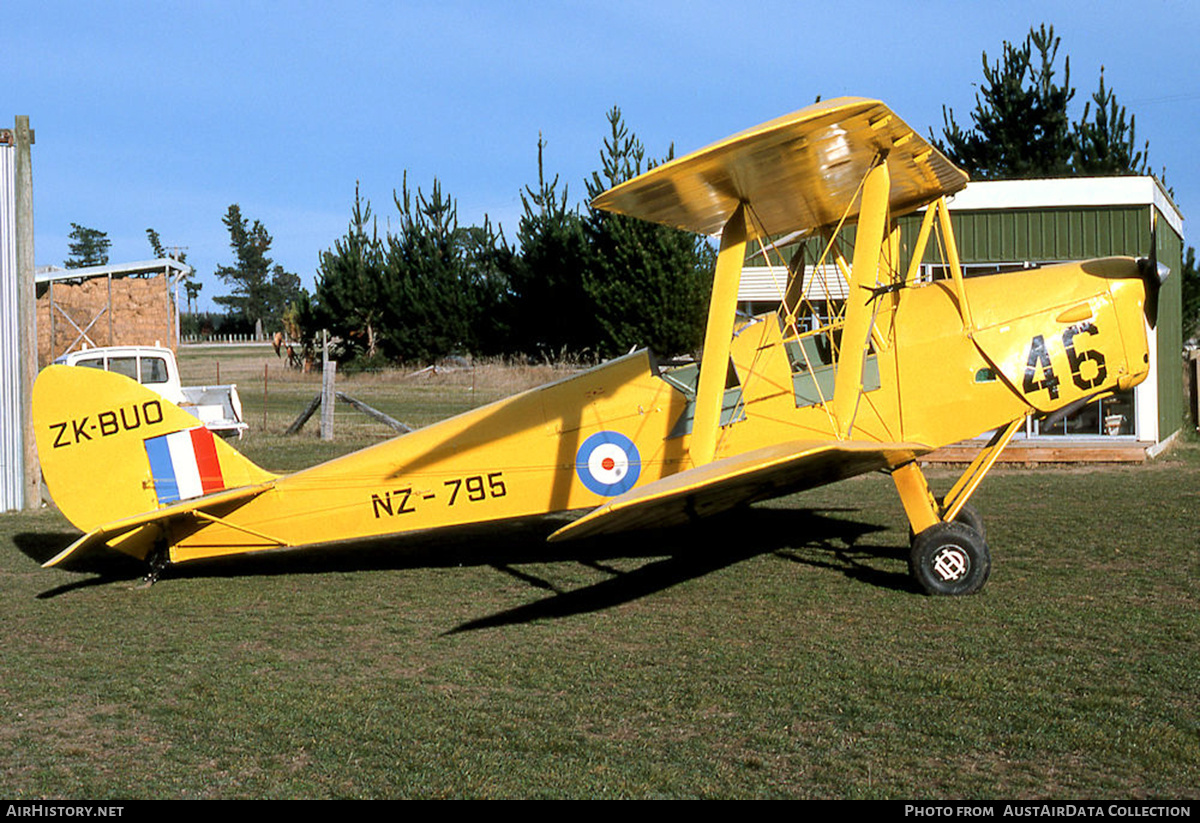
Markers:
{"x": 675, "y": 555}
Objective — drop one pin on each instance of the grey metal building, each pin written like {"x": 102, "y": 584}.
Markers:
{"x": 11, "y": 461}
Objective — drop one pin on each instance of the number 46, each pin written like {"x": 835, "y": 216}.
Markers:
{"x": 1039, "y": 362}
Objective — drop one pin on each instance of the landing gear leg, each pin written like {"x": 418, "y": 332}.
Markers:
{"x": 946, "y": 557}
{"x": 968, "y": 515}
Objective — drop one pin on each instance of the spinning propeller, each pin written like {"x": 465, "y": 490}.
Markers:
{"x": 1153, "y": 274}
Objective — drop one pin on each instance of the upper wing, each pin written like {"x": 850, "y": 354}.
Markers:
{"x": 756, "y": 475}
{"x": 798, "y": 172}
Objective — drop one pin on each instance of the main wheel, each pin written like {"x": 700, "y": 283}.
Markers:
{"x": 968, "y": 515}
{"x": 950, "y": 558}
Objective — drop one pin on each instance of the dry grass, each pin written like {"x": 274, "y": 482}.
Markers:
{"x": 273, "y": 395}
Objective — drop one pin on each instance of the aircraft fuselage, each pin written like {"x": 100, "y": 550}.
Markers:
{"x": 1042, "y": 339}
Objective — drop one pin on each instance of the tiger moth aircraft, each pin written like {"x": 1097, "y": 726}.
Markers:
{"x": 777, "y": 403}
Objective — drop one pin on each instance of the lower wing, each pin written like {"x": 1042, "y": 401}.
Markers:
{"x": 723, "y": 484}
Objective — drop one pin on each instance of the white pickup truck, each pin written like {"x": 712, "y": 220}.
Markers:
{"x": 219, "y": 408}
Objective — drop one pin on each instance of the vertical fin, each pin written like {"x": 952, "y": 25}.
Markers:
{"x": 112, "y": 449}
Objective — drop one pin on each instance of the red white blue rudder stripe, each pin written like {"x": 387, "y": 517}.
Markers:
{"x": 184, "y": 465}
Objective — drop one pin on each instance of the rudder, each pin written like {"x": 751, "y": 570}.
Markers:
{"x": 111, "y": 448}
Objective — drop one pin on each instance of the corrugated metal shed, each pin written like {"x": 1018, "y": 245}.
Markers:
{"x": 173, "y": 268}
{"x": 1014, "y": 222}
{"x": 11, "y": 447}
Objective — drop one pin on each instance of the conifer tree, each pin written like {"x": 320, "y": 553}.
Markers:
{"x": 190, "y": 284}
{"x": 1105, "y": 144}
{"x": 90, "y": 247}
{"x": 262, "y": 289}
{"x": 1020, "y": 126}
{"x": 429, "y": 289}
{"x": 426, "y": 308}
{"x": 1189, "y": 280}
{"x": 649, "y": 284}
{"x": 550, "y": 312}
{"x": 349, "y": 285}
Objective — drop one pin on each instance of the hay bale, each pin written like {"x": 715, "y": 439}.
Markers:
{"x": 117, "y": 311}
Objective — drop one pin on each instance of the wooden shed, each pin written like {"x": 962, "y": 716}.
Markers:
{"x": 128, "y": 304}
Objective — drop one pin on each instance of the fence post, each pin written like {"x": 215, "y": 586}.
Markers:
{"x": 264, "y": 425}
{"x": 328, "y": 372}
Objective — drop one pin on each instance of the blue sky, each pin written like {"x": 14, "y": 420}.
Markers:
{"x": 161, "y": 114}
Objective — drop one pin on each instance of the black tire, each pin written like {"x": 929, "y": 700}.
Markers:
{"x": 950, "y": 559}
{"x": 968, "y": 515}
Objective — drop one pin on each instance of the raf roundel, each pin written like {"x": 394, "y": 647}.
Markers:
{"x": 608, "y": 463}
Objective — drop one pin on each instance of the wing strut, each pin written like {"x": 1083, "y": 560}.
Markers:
{"x": 714, "y": 363}
{"x": 958, "y": 495}
{"x": 953, "y": 262}
{"x": 872, "y": 227}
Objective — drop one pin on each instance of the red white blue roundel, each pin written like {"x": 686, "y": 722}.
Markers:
{"x": 608, "y": 463}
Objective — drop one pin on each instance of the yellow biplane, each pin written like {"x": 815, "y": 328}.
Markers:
{"x": 812, "y": 393}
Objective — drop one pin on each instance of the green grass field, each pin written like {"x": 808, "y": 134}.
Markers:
{"x": 780, "y": 652}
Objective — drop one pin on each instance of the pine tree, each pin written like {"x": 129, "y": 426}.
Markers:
{"x": 190, "y": 285}
{"x": 1106, "y": 144}
{"x": 550, "y": 312}
{"x": 649, "y": 284}
{"x": 426, "y": 308}
{"x": 1189, "y": 280}
{"x": 429, "y": 289}
{"x": 262, "y": 289}
{"x": 485, "y": 265}
{"x": 349, "y": 286}
{"x": 1020, "y": 126}
{"x": 156, "y": 245}
{"x": 90, "y": 247}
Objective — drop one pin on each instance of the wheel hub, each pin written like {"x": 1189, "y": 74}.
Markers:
{"x": 951, "y": 563}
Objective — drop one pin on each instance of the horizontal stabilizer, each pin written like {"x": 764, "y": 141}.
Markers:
{"x": 109, "y": 531}
{"x": 723, "y": 484}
